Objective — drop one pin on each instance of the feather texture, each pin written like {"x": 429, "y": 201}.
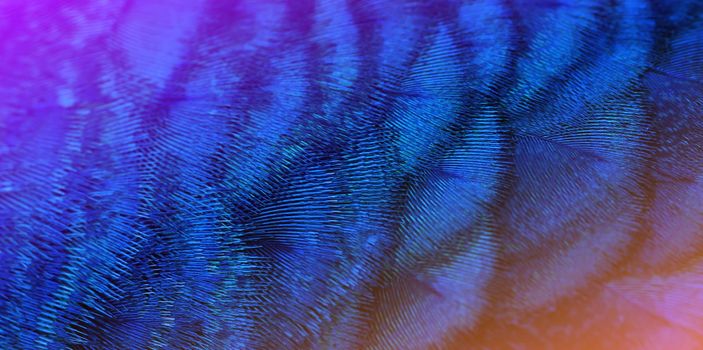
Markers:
{"x": 351, "y": 174}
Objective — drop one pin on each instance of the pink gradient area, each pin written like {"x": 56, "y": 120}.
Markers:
{"x": 664, "y": 312}
{"x": 630, "y": 313}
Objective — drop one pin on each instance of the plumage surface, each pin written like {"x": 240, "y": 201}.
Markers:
{"x": 351, "y": 174}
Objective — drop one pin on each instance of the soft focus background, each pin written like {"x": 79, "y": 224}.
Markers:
{"x": 351, "y": 174}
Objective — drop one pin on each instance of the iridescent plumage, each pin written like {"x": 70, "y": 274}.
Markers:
{"x": 351, "y": 174}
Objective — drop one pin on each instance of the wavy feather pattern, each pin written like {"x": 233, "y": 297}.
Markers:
{"x": 351, "y": 174}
